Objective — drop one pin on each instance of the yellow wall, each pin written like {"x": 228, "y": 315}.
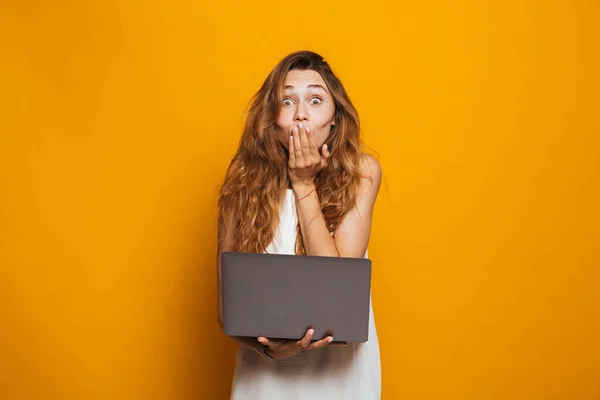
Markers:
{"x": 117, "y": 122}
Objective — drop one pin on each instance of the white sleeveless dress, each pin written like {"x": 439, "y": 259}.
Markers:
{"x": 351, "y": 372}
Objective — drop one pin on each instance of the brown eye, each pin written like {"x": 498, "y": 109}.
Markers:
{"x": 316, "y": 101}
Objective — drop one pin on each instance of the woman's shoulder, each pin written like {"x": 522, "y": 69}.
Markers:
{"x": 370, "y": 168}
{"x": 370, "y": 182}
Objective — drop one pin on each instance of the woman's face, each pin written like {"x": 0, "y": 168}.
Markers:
{"x": 306, "y": 100}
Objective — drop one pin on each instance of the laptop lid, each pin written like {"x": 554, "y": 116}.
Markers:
{"x": 281, "y": 296}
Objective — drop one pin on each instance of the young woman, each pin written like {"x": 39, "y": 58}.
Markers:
{"x": 300, "y": 183}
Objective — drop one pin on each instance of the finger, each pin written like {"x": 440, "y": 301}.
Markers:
{"x": 312, "y": 141}
{"x": 263, "y": 340}
{"x": 313, "y": 148}
{"x": 303, "y": 140}
{"x": 297, "y": 145}
{"x": 292, "y": 158}
{"x": 305, "y": 341}
{"x": 321, "y": 343}
{"x": 325, "y": 154}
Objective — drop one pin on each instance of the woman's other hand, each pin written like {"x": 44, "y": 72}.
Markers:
{"x": 287, "y": 348}
{"x": 305, "y": 162}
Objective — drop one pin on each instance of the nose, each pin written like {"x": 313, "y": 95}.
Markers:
{"x": 301, "y": 113}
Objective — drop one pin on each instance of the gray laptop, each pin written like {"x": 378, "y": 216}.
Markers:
{"x": 281, "y": 296}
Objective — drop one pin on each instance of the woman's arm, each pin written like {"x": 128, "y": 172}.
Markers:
{"x": 352, "y": 236}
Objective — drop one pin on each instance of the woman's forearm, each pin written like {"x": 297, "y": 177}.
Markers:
{"x": 315, "y": 235}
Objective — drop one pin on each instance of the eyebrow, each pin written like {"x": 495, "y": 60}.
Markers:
{"x": 314, "y": 86}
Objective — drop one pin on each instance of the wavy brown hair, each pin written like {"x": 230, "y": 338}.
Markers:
{"x": 257, "y": 177}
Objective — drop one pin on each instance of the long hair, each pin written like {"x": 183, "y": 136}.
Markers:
{"x": 257, "y": 177}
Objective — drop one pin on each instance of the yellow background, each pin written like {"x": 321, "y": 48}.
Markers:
{"x": 118, "y": 119}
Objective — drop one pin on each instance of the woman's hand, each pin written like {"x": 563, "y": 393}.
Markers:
{"x": 305, "y": 162}
{"x": 287, "y": 348}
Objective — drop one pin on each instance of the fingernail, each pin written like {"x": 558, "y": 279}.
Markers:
{"x": 300, "y": 125}
{"x": 311, "y": 331}
{"x": 307, "y": 129}
{"x": 325, "y": 147}
{"x": 330, "y": 339}
{"x": 295, "y": 129}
